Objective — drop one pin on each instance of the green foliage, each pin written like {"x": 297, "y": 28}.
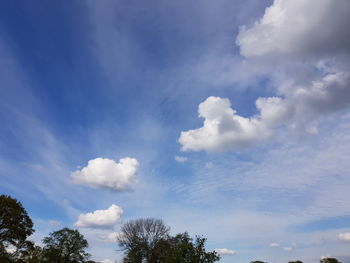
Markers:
{"x": 329, "y": 260}
{"x": 257, "y": 261}
{"x": 30, "y": 253}
{"x": 297, "y": 261}
{"x": 65, "y": 246}
{"x": 148, "y": 240}
{"x": 184, "y": 249}
{"x": 15, "y": 227}
{"x": 15, "y": 224}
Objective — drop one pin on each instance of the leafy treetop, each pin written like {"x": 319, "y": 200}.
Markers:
{"x": 65, "y": 245}
{"x": 15, "y": 224}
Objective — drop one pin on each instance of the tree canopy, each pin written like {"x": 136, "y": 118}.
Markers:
{"x": 148, "y": 240}
{"x": 29, "y": 253}
{"x": 141, "y": 238}
{"x": 65, "y": 246}
{"x": 186, "y": 250}
{"x": 15, "y": 224}
{"x": 329, "y": 260}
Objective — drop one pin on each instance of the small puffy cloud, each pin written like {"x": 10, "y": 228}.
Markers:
{"x": 107, "y": 261}
{"x": 223, "y": 129}
{"x": 181, "y": 159}
{"x": 275, "y": 245}
{"x": 344, "y": 237}
{"x": 106, "y": 173}
{"x": 288, "y": 249}
{"x": 289, "y": 28}
{"x": 225, "y": 251}
{"x": 100, "y": 218}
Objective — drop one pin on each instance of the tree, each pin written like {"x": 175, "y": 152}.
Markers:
{"x": 65, "y": 246}
{"x": 30, "y": 253}
{"x": 141, "y": 238}
{"x": 183, "y": 249}
{"x": 148, "y": 240}
{"x": 257, "y": 261}
{"x": 297, "y": 261}
{"x": 329, "y": 260}
{"x": 15, "y": 224}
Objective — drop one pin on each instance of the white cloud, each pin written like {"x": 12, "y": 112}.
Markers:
{"x": 288, "y": 27}
{"x": 344, "y": 237}
{"x": 181, "y": 159}
{"x": 107, "y": 261}
{"x": 299, "y": 109}
{"x": 287, "y": 34}
{"x": 288, "y": 249}
{"x": 275, "y": 245}
{"x": 309, "y": 101}
{"x": 106, "y": 173}
{"x": 222, "y": 129}
{"x": 100, "y": 218}
{"x": 225, "y": 251}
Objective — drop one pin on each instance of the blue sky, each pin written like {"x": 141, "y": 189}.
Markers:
{"x": 228, "y": 119}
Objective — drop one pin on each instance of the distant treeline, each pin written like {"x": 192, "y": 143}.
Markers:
{"x": 142, "y": 241}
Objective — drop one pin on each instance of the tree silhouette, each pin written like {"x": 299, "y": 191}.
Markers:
{"x": 141, "y": 238}
{"x": 15, "y": 225}
{"x": 184, "y": 249}
{"x": 65, "y": 246}
{"x": 329, "y": 260}
{"x": 148, "y": 240}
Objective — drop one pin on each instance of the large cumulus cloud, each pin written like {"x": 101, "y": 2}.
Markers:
{"x": 298, "y": 27}
{"x": 309, "y": 45}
